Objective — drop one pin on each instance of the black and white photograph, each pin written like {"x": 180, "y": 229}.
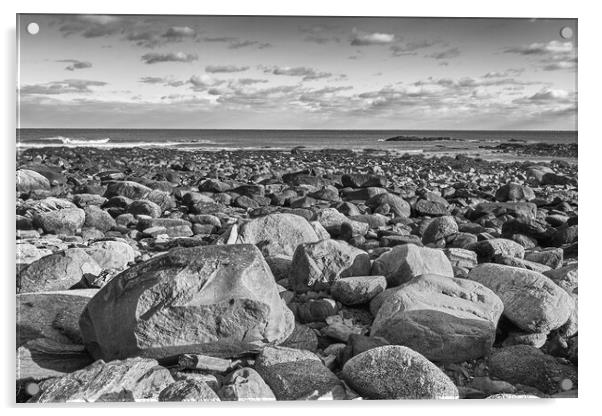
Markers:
{"x": 295, "y": 208}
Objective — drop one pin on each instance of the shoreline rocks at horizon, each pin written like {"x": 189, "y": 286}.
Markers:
{"x": 165, "y": 275}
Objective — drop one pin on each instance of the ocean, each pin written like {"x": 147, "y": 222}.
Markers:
{"x": 283, "y": 139}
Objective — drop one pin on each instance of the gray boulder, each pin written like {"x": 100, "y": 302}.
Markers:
{"x": 394, "y": 372}
{"x": 188, "y": 300}
{"x": 445, "y": 319}
{"x": 245, "y": 384}
{"x": 111, "y": 254}
{"x": 29, "y": 180}
{"x": 532, "y": 301}
{"x": 357, "y": 290}
{"x": 404, "y": 262}
{"x": 62, "y": 221}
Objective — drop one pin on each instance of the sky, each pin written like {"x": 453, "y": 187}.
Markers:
{"x": 253, "y": 72}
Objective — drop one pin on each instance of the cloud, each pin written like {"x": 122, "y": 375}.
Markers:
{"x": 75, "y": 64}
{"x": 446, "y": 54}
{"x": 250, "y": 81}
{"x": 68, "y": 86}
{"x": 155, "y": 57}
{"x": 410, "y": 48}
{"x": 504, "y": 74}
{"x": 551, "y": 56}
{"x": 320, "y": 33}
{"x": 550, "y": 95}
{"x": 225, "y": 68}
{"x": 542, "y": 48}
{"x": 307, "y": 74}
{"x": 237, "y": 43}
{"x": 177, "y": 33}
{"x": 359, "y": 38}
{"x": 162, "y": 80}
{"x": 203, "y": 82}
{"x": 90, "y": 26}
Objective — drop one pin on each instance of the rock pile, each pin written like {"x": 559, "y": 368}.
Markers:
{"x": 165, "y": 275}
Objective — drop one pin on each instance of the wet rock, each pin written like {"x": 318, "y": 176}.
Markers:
{"x": 532, "y": 301}
{"x": 317, "y": 265}
{"x": 189, "y": 298}
{"x": 295, "y": 374}
{"x": 404, "y": 262}
{"x": 396, "y": 372}
{"x": 445, "y": 319}
{"x": 58, "y": 271}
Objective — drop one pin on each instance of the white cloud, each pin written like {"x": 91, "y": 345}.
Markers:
{"x": 359, "y": 38}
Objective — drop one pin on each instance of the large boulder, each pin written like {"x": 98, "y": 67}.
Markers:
{"x": 98, "y": 218}
{"x": 296, "y": 374}
{"x": 488, "y": 249}
{"x": 404, "y": 262}
{"x": 188, "y": 390}
{"x": 29, "y": 180}
{"x": 58, "y": 271}
{"x": 134, "y": 379}
{"x": 514, "y": 192}
{"x": 187, "y": 300}
{"x": 363, "y": 180}
{"x": 445, "y": 319}
{"x": 358, "y": 290}
{"x": 526, "y": 210}
{"x": 277, "y": 235}
{"x": 440, "y": 228}
{"x": 318, "y": 265}
{"x": 245, "y": 384}
{"x": 532, "y": 301}
{"x": 394, "y": 372}
{"x": 62, "y": 221}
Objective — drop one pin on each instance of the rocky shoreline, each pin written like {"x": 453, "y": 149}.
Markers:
{"x": 166, "y": 275}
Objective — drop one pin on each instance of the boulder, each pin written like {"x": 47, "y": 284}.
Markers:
{"x": 296, "y": 374}
{"x": 514, "y": 192}
{"x": 128, "y": 189}
{"x": 245, "y": 384}
{"x": 318, "y": 265}
{"x": 532, "y": 301}
{"x": 440, "y": 228}
{"x": 362, "y": 180}
{"x": 357, "y": 290}
{"x": 98, "y": 218}
{"x": 397, "y": 204}
{"x": 62, "y": 221}
{"x": 29, "y": 180}
{"x": 487, "y": 249}
{"x": 431, "y": 208}
{"x": 145, "y": 207}
{"x": 277, "y": 235}
{"x": 134, "y": 379}
{"x": 404, "y": 262}
{"x": 188, "y": 390}
{"x": 28, "y": 253}
{"x": 111, "y": 254}
{"x": 58, "y": 271}
{"x": 445, "y": 319}
{"x": 332, "y": 220}
{"x": 523, "y": 364}
{"x": 394, "y": 372}
{"x": 188, "y": 300}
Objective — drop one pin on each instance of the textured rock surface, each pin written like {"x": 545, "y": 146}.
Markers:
{"x": 402, "y": 263}
{"x": 62, "y": 221}
{"x": 58, "y": 271}
{"x": 531, "y": 300}
{"x": 295, "y": 374}
{"x": 318, "y": 265}
{"x": 396, "y": 372}
{"x": 245, "y": 384}
{"x": 445, "y": 319}
{"x": 111, "y": 254}
{"x": 134, "y": 379}
{"x": 188, "y": 390}
{"x": 184, "y": 299}
{"x": 29, "y": 180}
{"x": 358, "y": 290}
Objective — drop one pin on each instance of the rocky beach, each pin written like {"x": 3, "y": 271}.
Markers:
{"x": 157, "y": 274}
